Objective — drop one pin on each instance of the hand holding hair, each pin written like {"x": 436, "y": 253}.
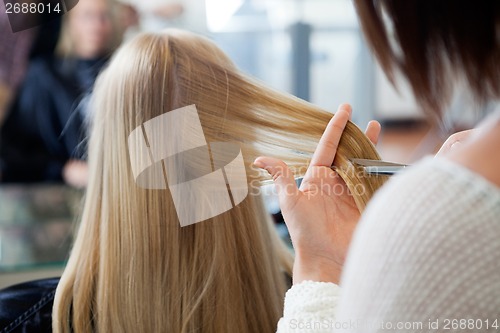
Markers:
{"x": 321, "y": 215}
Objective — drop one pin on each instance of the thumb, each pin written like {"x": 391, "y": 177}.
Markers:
{"x": 284, "y": 180}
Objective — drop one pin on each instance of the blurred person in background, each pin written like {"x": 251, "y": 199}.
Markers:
{"x": 41, "y": 139}
{"x": 13, "y": 59}
{"x": 23, "y": 45}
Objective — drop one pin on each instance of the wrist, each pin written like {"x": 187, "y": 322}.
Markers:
{"x": 315, "y": 269}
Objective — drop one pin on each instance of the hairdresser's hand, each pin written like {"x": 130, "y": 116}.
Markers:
{"x": 321, "y": 215}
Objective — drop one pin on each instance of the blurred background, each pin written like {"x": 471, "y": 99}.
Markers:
{"x": 313, "y": 49}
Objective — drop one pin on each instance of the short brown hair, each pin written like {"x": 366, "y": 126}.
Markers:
{"x": 439, "y": 41}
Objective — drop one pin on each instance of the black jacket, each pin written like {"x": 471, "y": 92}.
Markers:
{"x": 44, "y": 127}
{"x": 27, "y": 307}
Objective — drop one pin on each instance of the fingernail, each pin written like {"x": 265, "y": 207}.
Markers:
{"x": 347, "y": 107}
{"x": 455, "y": 145}
{"x": 258, "y": 164}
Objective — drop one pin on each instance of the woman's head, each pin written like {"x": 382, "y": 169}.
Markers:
{"x": 437, "y": 43}
{"x": 133, "y": 266}
{"x": 90, "y": 30}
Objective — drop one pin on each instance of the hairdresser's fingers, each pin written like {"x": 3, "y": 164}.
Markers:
{"x": 454, "y": 141}
{"x": 329, "y": 142}
{"x": 284, "y": 180}
{"x": 373, "y": 131}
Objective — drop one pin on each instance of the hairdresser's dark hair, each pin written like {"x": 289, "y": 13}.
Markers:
{"x": 436, "y": 42}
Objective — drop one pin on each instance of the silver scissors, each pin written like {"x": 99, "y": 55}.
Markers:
{"x": 376, "y": 167}
{"x": 370, "y": 167}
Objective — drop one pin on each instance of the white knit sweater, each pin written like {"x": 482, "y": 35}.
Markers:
{"x": 425, "y": 258}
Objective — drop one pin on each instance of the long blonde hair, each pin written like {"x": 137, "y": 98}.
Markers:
{"x": 133, "y": 268}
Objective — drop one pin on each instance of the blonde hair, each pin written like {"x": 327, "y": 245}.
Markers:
{"x": 133, "y": 268}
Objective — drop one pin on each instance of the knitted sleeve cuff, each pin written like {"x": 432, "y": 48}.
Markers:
{"x": 309, "y": 304}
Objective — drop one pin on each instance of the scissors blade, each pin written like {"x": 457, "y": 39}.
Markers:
{"x": 376, "y": 167}
{"x": 371, "y": 167}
